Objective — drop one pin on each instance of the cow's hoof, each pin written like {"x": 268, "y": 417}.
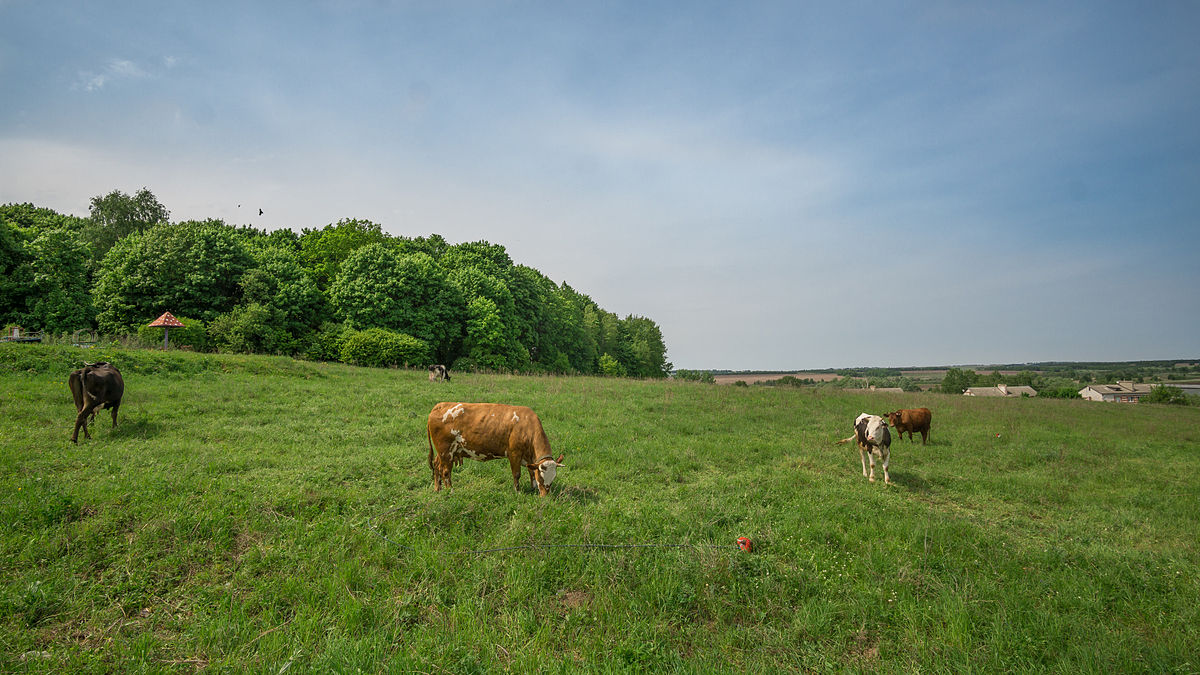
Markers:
{"x": 872, "y": 479}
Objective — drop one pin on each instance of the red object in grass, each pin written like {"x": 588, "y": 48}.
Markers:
{"x": 744, "y": 544}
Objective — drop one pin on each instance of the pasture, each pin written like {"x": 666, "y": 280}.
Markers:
{"x": 264, "y": 514}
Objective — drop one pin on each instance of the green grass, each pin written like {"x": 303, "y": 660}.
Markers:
{"x": 224, "y": 524}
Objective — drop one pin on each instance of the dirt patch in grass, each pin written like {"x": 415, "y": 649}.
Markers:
{"x": 573, "y": 600}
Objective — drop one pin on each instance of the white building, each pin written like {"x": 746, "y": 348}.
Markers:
{"x": 1001, "y": 390}
{"x": 1125, "y": 391}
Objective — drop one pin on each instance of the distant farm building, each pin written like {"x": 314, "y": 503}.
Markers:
{"x": 1001, "y": 391}
{"x": 1124, "y": 391}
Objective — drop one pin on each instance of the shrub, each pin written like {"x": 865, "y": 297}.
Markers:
{"x": 464, "y": 364}
{"x": 193, "y": 334}
{"x": 249, "y": 329}
{"x": 1170, "y": 395}
{"x": 326, "y": 344}
{"x": 378, "y": 347}
{"x": 611, "y": 367}
{"x": 704, "y": 376}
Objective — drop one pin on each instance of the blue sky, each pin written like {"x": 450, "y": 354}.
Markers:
{"x": 780, "y": 185}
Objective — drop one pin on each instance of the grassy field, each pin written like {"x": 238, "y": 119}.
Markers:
{"x": 262, "y": 514}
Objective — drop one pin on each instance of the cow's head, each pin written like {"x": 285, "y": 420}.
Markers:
{"x": 893, "y": 418}
{"x": 546, "y": 469}
{"x": 872, "y": 427}
{"x": 875, "y": 427}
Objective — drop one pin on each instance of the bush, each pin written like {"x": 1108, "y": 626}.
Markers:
{"x": 695, "y": 376}
{"x": 380, "y": 348}
{"x": 193, "y": 334}
{"x": 464, "y": 364}
{"x": 611, "y": 367}
{"x": 248, "y": 329}
{"x": 1169, "y": 395}
{"x": 326, "y": 344}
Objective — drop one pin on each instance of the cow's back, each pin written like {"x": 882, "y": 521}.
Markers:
{"x": 490, "y": 429}
{"x": 917, "y": 419}
{"x": 102, "y": 383}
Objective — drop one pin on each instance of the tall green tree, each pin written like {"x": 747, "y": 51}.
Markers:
{"x": 491, "y": 259}
{"x": 194, "y": 269}
{"x": 116, "y": 215}
{"x": 280, "y": 284}
{"x": 487, "y": 341}
{"x": 377, "y": 287}
{"x": 646, "y": 351}
{"x": 59, "y": 298}
{"x": 15, "y": 274}
{"x": 956, "y": 380}
{"x": 323, "y": 251}
{"x": 45, "y": 270}
{"x": 504, "y": 350}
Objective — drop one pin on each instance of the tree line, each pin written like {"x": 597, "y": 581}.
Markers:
{"x": 347, "y": 291}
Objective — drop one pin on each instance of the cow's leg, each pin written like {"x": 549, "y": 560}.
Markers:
{"x": 115, "y": 406}
{"x": 886, "y": 456}
{"x": 81, "y": 420}
{"x": 871, "y": 458}
{"x": 924, "y": 436}
{"x": 862, "y": 454}
{"x": 514, "y": 463}
{"x": 440, "y": 462}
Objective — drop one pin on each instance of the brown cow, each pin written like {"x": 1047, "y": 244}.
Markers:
{"x": 484, "y": 431}
{"x": 95, "y": 386}
{"x": 910, "y": 420}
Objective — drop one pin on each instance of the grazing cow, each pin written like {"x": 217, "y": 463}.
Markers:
{"x": 95, "y": 386}
{"x": 874, "y": 440}
{"x": 910, "y": 420}
{"x": 439, "y": 372}
{"x": 484, "y": 431}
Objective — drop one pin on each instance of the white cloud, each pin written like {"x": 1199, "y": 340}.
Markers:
{"x": 115, "y": 69}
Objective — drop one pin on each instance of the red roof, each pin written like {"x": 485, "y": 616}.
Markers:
{"x": 166, "y": 321}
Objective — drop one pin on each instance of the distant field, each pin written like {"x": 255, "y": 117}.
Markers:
{"x": 763, "y": 377}
{"x": 225, "y": 524}
{"x": 921, "y": 376}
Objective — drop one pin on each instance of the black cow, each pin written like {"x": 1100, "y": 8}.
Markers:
{"x": 95, "y": 386}
{"x": 439, "y": 372}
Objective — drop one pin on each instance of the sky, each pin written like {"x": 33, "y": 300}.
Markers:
{"x": 778, "y": 185}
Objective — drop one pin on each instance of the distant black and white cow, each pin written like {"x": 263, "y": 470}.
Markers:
{"x": 95, "y": 386}
{"x": 874, "y": 440}
{"x": 439, "y": 372}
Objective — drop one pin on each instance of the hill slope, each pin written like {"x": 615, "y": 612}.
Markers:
{"x": 258, "y": 512}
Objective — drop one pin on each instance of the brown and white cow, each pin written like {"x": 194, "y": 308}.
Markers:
{"x": 95, "y": 386}
{"x": 439, "y": 372}
{"x": 910, "y": 420}
{"x": 874, "y": 440}
{"x": 484, "y": 431}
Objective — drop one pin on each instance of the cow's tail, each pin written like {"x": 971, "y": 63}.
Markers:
{"x": 845, "y": 440}
{"x": 75, "y": 381}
